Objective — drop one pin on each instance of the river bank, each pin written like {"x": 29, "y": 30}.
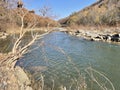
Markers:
{"x": 105, "y": 35}
{"x": 5, "y": 34}
{"x": 13, "y": 78}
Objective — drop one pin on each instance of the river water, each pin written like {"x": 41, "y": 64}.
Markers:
{"x": 61, "y": 58}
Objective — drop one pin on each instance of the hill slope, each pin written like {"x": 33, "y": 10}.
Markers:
{"x": 11, "y": 18}
{"x": 32, "y": 18}
{"x": 103, "y": 12}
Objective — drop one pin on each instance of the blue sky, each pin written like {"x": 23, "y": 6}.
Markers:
{"x": 61, "y": 8}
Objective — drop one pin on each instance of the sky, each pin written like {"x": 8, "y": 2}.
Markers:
{"x": 60, "y": 8}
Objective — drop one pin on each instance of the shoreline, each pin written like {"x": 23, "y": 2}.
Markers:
{"x": 106, "y": 35}
{"x": 110, "y": 35}
{"x": 5, "y": 34}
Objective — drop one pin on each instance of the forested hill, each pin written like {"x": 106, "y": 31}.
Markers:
{"x": 102, "y": 12}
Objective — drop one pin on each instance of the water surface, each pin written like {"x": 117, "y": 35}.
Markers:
{"x": 58, "y": 55}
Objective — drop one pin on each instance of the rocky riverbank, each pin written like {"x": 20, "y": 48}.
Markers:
{"x": 97, "y": 35}
{"x": 18, "y": 79}
{"x": 13, "y": 78}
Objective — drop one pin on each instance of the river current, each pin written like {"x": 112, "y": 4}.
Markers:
{"x": 60, "y": 57}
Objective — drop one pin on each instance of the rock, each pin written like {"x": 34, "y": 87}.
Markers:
{"x": 28, "y": 88}
{"x": 115, "y": 38}
{"x": 23, "y": 79}
{"x": 8, "y": 81}
{"x": 3, "y": 35}
{"x": 116, "y": 35}
{"x": 91, "y": 39}
{"x": 96, "y": 39}
{"x": 109, "y": 38}
{"x": 22, "y": 76}
{"x": 106, "y": 37}
{"x": 70, "y": 33}
{"x": 77, "y": 32}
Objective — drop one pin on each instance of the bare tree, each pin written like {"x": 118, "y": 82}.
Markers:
{"x": 18, "y": 51}
{"x": 46, "y": 11}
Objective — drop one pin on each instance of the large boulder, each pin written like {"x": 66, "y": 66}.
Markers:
{"x": 115, "y": 38}
{"x": 106, "y": 37}
{"x": 23, "y": 80}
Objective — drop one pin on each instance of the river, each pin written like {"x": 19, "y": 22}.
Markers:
{"x": 60, "y": 58}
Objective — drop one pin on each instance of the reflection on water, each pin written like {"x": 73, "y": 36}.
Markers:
{"x": 6, "y": 44}
{"x": 60, "y": 57}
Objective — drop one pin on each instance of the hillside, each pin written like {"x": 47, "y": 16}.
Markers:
{"x": 33, "y": 19}
{"x": 103, "y": 12}
{"x": 11, "y": 18}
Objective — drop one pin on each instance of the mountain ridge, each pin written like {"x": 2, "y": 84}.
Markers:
{"x": 102, "y": 12}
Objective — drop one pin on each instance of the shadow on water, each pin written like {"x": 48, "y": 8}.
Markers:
{"x": 6, "y": 44}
